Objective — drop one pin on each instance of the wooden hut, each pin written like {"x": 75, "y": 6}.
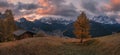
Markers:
{"x": 22, "y": 34}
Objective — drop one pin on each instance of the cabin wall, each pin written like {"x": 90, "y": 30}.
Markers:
{"x": 25, "y": 35}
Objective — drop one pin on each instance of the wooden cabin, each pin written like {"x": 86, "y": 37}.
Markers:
{"x": 22, "y": 34}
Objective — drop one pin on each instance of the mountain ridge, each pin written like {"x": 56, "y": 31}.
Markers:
{"x": 104, "y": 19}
{"x": 50, "y": 25}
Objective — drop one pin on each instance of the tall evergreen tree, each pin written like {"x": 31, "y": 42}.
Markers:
{"x": 82, "y": 27}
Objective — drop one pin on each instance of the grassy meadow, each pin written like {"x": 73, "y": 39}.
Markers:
{"x": 107, "y": 45}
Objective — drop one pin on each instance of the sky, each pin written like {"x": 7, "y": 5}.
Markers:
{"x": 34, "y": 9}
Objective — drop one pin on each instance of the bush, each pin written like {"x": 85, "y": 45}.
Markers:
{"x": 5, "y": 39}
{"x": 10, "y": 38}
{"x": 91, "y": 42}
{"x": 40, "y": 34}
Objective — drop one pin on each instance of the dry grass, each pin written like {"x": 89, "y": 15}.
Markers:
{"x": 108, "y": 45}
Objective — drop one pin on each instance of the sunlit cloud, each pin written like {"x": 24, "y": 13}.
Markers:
{"x": 115, "y": 2}
{"x": 46, "y": 7}
{"x": 32, "y": 17}
{"x": 66, "y": 8}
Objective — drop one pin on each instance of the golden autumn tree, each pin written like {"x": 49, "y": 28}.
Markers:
{"x": 7, "y": 26}
{"x": 82, "y": 27}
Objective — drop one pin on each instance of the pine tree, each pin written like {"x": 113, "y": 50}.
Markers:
{"x": 82, "y": 27}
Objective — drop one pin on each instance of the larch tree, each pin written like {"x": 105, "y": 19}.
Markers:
{"x": 7, "y": 26}
{"x": 10, "y": 24}
{"x": 82, "y": 27}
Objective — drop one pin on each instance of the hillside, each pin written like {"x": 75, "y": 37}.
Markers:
{"x": 107, "y": 45}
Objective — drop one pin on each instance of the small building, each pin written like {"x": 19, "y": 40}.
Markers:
{"x": 22, "y": 34}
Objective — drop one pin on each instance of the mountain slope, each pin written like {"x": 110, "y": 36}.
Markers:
{"x": 96, "y": 29}
{"x": 104, "y": 19}
{"x": 107, "y": 45}
{"x": 65, "y": 26}
{"x": 55, "y": 19}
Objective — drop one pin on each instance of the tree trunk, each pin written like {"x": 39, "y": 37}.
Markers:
{"x": 81, "y": 40}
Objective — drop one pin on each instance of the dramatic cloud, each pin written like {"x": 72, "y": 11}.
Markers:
{"x": 22, "y": 9}
{"x": 113, "y": 8}
{"x": 89, "y": 5}
{"x": 39, "y": 8}
{"x": 47, "y": 7}
{"x": 66, "y": 8}
{"x": 5, "y": 5}
{"x": 56, "y": 7}
{"x": 21, "y": 6}
{"x": 95, "y": 7}
{"x": 52, "y": 7}
{"x": 110, "y": 8}
{"x": 115, "y": 4}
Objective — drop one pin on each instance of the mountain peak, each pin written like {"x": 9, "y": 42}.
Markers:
{"x": 55, "y": 19}
{"x": 104, "y": 19}
{"x": 22, "y": 19}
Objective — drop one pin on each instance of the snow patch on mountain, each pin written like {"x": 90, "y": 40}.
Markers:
{"x": 55, "y": 19}
{"x": 104, "y": 20}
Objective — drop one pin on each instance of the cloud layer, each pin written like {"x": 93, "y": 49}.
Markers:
{"x": 56, "y": 7}
{"x": 42, "y": 7}
{"x": 102, "y": 7}
{"x": 62, "y": 7}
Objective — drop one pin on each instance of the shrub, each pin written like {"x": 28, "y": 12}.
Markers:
{"x": 40, "y": 34}
{"x": 91, "y": 42}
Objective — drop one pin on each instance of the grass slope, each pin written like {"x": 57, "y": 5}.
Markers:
{"x": 107, "y": 45}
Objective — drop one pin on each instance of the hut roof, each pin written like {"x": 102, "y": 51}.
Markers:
{"x": 20, "y": 32}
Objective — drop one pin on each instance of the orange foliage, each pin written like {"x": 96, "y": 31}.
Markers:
{"x": 47, "y": 7}
{"x": 82, "y": 27}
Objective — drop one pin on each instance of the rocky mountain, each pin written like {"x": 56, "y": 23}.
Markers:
{"x": 55, "y": 19}
{"x": 104, "y": 19}
{"x": 99, "y": 27}
{"x": 28, "y": 25}
{"x": 47, "y": 24}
